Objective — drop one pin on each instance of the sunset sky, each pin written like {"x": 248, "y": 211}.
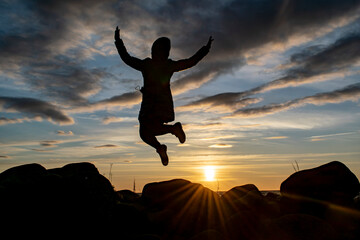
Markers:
{"x": 280, "y": 88}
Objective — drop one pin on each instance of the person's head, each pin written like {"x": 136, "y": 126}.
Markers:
{"x": 160, "y": 49}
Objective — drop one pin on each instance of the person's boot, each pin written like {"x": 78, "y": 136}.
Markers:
{"x": 179, "y": 132}
{"x": 163, "y": 155}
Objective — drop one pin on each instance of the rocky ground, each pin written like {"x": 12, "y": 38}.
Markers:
{"x": 75, "y": 201}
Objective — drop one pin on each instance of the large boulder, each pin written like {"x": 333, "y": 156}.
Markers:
{"x": 181, "y": 207}
{"x": 22, "y": 175}
{"x": 85, "y": 192}
{"x": 245, "y": 210}
{"x": 240, "y": 191}
{"x": 247, "y": 198}
{"x": 72, "y": 198}
{"x": 312, "y": 190}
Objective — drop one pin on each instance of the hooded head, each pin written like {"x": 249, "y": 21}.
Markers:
{"x": 160, "y": 49}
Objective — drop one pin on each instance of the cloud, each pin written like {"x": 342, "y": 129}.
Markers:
{"x": 4, "y": 156}
{"x": 276, "y": 137}
{"x": 51, "y": 55}
{"x": 215, "y": 126}
{"x": 206, "y": 72}
{"x": 123, "y": 100}
{"x": 313, "y": 64}
{"x": 119, "y": 101}
{"x": 35, "y": 109}
{"x": 40, "y": 150}
{"x": 4, "y": 120}
{"x": 111, "y": 119}
{"x": 325, "y": 137}
{"x": 183, "y": 145}
{"x": 205, "y": 126}
{"x": 250, "y": 26}
{"x": 218, "y": 137}
{"x": 71, "y": 85}
{"x": 64, "y": 133}
{"x": 50, "y": 143}
{"x": 48, "y": 55}
{"x": 317, "y": 139}
{"x": 223, "y": 102}
{"x": 220, "y": 145}
{"x": 349, "y": 93}
{"x": 107, "y": 146}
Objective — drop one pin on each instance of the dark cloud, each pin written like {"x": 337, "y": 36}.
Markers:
{"x": 123, "y": 99}
{"x": 334, "y": 58}
{"x": 35, "y": 108}
{"x": 237, "y": 27}
{"x": 49, "y": 56}
{"x": 40, "y": 150}
{"x": 50, "y": 143}
{"x": 220, "y": 102}
{"x": 107, "y": 146}
{"x": 349, "y": 93}
{"x": 71, "y": 85}
{"x": 206, "y": 72}
{"x": 119, "y": 101}
{"x": 310, "y": 65}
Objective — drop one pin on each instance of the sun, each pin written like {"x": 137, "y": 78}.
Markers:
{"x": 209, "y": 172}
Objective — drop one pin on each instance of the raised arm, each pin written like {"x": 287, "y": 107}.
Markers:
{"x": 125, "y": 56}
{"x": 192, "y": 61}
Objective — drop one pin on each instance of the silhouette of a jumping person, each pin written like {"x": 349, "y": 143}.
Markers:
{"x": 157, "y": 106}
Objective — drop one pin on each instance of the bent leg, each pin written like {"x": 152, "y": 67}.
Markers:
{"x": 148, "y": 136}
{"x": 148, "y": 133}
{"x": 162, "y": 129}
{"x": 149, "y": 129}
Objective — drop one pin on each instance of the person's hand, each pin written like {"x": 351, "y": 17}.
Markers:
{"x": 208, "y": 45}
{"x": 117, "y": 34}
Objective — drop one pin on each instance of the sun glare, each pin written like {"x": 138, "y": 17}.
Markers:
{"x": 209, "y": 172}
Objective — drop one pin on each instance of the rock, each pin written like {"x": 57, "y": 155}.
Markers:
{"x": 130, "y": 220}
{"x": 208, "y": 235}
{"x": 247, "y": 198}
{"x": 346, "y": 221}
{"x": 243, "y": 225}
{"x": 189, "y": 208}
{"x": 21, "y": 193}
{"x": 298, "y": 227}
{"x": 20, "y": 175}
{"x": 240, "y": 191}
{"x": 310, "y": 191}
{"x": 128, "y": 196}
{"x": 272, "y": 197}
{"x": 73, "y": 198}
{"x": 86, "y": 192}
{"x": 147, "y": 237}
{"x": 160, "y": 194}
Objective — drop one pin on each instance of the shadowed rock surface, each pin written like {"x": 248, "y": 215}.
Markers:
{"x": 332, "y": 182}
{"x": 75, "y": 200}
{"x": 318, "y": 190}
